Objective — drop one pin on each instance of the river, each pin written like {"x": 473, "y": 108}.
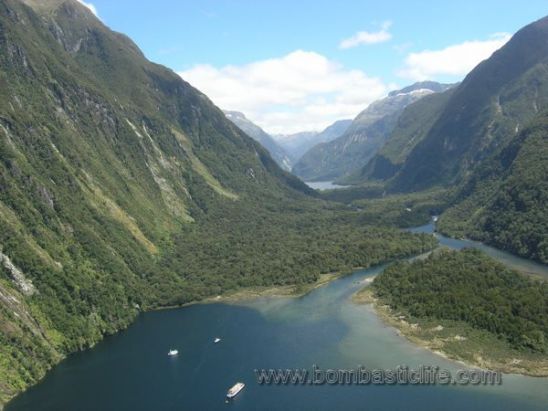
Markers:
{"x": 131, "y": 370}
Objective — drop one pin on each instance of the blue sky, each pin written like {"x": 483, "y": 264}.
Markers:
{"x": 295, "y": 65}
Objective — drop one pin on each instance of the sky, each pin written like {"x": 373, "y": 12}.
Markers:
{"x": 291, "y": 66}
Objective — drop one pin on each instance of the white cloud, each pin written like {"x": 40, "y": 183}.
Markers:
{"x": 302, "y": 90}
{"x": 365, "y": 37}
{"x": 89, "y": 6}
{"x": 455, "y": 60}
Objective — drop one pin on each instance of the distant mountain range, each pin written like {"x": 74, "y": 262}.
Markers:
{"x": 349, "y": 152}
{"x": 286, "y": 149}
{"x": 410, "y": 129}
{"x": 258, "y": 134}
{"x": 299, "y": 143}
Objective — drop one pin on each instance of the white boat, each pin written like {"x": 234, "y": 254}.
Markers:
{"x": 216, "y": 340}
{"x": 435, "y": 218}
{"x": 236, "y": 388}
{"x": 172, "y": 353}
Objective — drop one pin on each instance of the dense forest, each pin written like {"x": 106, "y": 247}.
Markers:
{"x": 236, "y": 248}
{"x": 123, "y": 188}
{"x": 469, "y": 287}
{"x": 504, "y": 203}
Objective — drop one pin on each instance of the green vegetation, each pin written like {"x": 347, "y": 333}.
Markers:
{"x": 483, "y": 113}
{"x": 123, "y": 189}
{"x": 504, "y": 203}
{"x": 404, "y": 210}
{"x": 398, "y": 210}
{"x": 485, "y": 141}
{"x": 350, "y": 193}
{"x": 477, "y": 292}
{"x": 236, "y": 247}
{"x": 412, "y": 126}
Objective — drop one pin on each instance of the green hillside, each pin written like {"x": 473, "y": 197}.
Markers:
{"x": 485, "y": 143}
{"x": 412, "y": 126}
{"x": 504, "y": 203}
{"x": 123, "y": 188}
{"x": 485, "y": 112}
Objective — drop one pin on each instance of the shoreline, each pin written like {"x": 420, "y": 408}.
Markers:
{"x": 231, "y": 297}
{"x": 415, "y": 334}
{"x": 360, "y": 297}
{"x": 251, "y": 293}
{"x": 287, "y": 291}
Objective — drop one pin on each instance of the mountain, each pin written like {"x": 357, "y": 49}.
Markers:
{"x": 258, "y": 134}
{"x": 299, "y": 143}
{"x": 104, "y": 158}
{"x": 335, "y": 130}
{"x": 487, "y": 110}
{"x": 504, "y": 201}
{"x": 486, "y": 141}
{"x": 410, "y": 129}
{"x": 426, "y": 85}
{"x": 123, "y": 189}
{"x": 296, "y": 144}
{"x": 367, "y": 133}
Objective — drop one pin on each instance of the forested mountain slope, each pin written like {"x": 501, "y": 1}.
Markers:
{"x": 484, "y": 141}
{"x": 504, "y": 202}
{"x": 412, "y": 126}
{"x": 123, "y": 188}
{"x": 485, "y": 112}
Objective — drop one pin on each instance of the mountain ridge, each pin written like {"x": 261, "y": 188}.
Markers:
{"x": 486, "y": 110}
{"x": 411, "y": 127}
{"x": 258, "y": 134}
{"x": 367, "y": 133}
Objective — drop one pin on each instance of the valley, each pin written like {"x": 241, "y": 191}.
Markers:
{"x": 136, "y": 214}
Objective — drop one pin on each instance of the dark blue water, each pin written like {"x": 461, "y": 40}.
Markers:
{"x": 131, "y": 370}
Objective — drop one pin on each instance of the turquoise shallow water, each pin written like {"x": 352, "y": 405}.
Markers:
{"x": 131, "y": 370}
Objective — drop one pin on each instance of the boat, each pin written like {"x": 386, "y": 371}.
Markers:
{"x": 216, "y": 340}
{"x": 235, "y": 390}
{"x": 435, "y": 218}
{"x": 172, "y": 353}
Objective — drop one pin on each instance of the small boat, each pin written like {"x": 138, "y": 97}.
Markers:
{"x": 236, "y": 388}
{"x": 435, "y": 218}
{"x": 172, "y": 353}
{"x": 216, "y": 340}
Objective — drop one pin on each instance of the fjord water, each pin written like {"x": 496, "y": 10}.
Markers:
{"x": 323, "y": 185}
{"x": 131, "y": 370}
